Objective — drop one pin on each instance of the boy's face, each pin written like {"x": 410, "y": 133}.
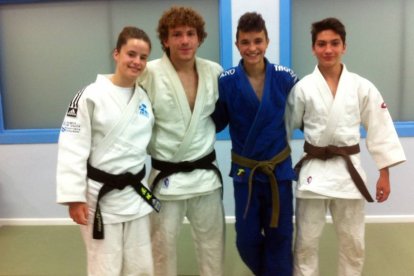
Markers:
{"x": 182, "y": 42}
{"x": 252, "y": 46}
{"x": 328, "y": 49}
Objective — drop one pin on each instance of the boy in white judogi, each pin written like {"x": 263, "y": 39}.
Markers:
{"x": 183, "y": 90}
{"x": 329, "y": 105}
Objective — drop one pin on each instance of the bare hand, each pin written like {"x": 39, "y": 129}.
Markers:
{"x": 78, "y": 211}
{"x": 383, "y": 186}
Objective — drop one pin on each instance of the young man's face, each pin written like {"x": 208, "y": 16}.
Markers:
{"x": 182, "y": 42}
{"x": 328, "y": 49}
{"x": 252, "y": 46}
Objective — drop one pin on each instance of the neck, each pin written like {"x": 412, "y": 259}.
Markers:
{"x": 255, "y": 70}
{"x": 331, "y": 72}
{"x": 122, "y": 82}
{"x": 183, "y": 65}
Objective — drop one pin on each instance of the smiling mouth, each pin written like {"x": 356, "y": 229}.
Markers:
{"x": 134, "y": 69}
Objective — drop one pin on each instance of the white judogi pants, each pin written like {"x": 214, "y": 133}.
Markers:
{"x": 206, "y": 216}
{"x": 348, "y": 218}
{"x": 126, "y": 249}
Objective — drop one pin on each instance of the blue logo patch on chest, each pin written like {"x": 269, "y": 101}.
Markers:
{"x": 143, "y": 110}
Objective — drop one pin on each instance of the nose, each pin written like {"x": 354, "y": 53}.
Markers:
{"x": 138, "y": 60}
{"x": 185, "y": 39}
{"x": 251, "y": 47}
{"x": 328, "y": 48}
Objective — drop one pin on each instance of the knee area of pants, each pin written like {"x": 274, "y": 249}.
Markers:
{"x": 307, "y": 245}
{"x": 247, "y": 244}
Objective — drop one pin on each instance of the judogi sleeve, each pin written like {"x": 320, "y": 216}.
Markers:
{"x": 382, "y": 140}
{"x": 220, "y": 115}
{"x": 73, "y": 151}
{"x": 295, "y": 109}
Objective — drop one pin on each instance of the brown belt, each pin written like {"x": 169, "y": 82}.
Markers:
{"x": 267, "y": 167}
{"x": 324, "y": 153}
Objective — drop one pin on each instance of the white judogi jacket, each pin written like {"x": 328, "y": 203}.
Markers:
{"x": 179, "y": 134}
{"x": 336, "y": 121}
{"x": 109, "y": 127}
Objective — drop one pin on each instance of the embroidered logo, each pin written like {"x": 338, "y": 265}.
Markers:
{"x": 281, "y": 68}
{"x": 72, "y": 112}
{"x": 166, "y": 182}
{"x": 384, "y": 105}
{"x": 309, "y": 179}
{"x": 73, "y": 106}
{"x": 241, "y": 172}
{"x": 143, "y": 110}
{"x": 71, "y": 127}
{"x": 228, "y": 72}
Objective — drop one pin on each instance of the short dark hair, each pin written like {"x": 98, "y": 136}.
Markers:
{"x": 180, "y": 16}
{"x": 330, "y": 23}
{"x": 251, "y": 22}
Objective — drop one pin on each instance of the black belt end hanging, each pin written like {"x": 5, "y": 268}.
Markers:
{"x": 98, "y": 227}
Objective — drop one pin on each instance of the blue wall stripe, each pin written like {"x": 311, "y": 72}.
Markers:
{"x": 226, "y": 55}
{"x": 285, "y": 29}
{"x": 29, "y": 136}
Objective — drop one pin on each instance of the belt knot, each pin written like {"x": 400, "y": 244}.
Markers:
{"x": 265, "y": 167}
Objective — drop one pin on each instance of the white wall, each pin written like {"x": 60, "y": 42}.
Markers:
{"x": 269, "y": 9}
{"x": 27, "y": 183}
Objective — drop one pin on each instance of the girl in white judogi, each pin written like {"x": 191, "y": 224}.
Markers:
{"x": 102, "y": 143}
{"x": 330, "y": 104}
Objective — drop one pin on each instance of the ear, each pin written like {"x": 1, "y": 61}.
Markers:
{"x": 115, "y": 54}
{"x": 237, "y": 45}
{"x": 165, "y": 43}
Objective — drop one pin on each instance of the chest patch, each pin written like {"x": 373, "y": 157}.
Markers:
{"x": 143, "y": 110}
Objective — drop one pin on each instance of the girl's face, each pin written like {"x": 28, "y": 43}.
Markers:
{"x": 131, "y": 60}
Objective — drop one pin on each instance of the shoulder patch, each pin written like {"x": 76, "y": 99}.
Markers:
{"x": 73, "y": 106}
{"x": 228, "y": 72}
{"x": 281, "y": 68}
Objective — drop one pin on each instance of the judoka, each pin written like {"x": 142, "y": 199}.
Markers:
{"x": 101, "y": 163}
{"x": 330, "y": 105}
{"x": 185, "y": 177}
{"x": 252, "y": 100}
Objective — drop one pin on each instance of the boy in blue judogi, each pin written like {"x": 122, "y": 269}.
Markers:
{"x": 252, "y": 98}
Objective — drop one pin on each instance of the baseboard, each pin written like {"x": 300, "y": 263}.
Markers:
{"x": 229, "y": 220}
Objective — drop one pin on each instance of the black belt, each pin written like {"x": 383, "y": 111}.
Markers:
{"x": 120, "y": 181}
{"x": 168, "y": 168}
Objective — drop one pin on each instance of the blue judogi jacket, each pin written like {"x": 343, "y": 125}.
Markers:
{"x": 257, "y": 128}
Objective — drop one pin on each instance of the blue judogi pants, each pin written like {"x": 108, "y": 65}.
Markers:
{"x": 265, "y": 250}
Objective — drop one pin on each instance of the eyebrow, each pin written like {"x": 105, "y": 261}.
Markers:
{"x": 325, "y": 40}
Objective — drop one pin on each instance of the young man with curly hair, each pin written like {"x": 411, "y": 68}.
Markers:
{"x": 183, "y": 90}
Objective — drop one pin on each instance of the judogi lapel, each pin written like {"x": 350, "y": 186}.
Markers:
{"x": 117, "y": 129}
{"x": 334, "y": 105}
{"x": 191, "y": 119}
